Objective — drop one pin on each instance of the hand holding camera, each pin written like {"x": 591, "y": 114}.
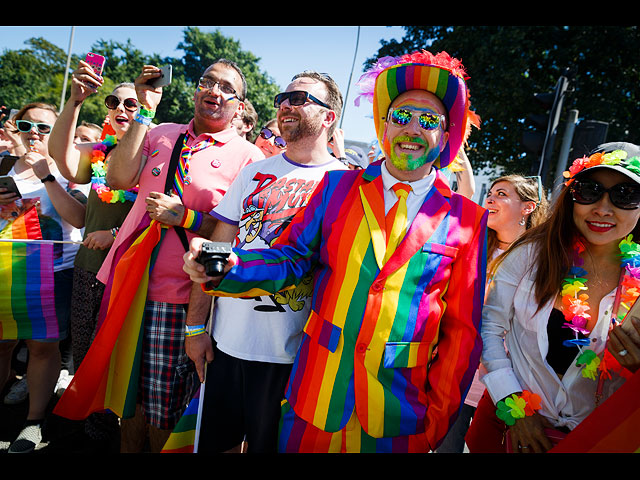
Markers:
{"x": 213, "y": 257}
{"x": 206, "y": 262}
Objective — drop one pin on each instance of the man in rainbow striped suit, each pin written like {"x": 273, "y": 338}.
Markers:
{"x": 392, "y": 342}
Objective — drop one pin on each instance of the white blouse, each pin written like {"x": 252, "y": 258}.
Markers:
{"x": 516, "y": 345}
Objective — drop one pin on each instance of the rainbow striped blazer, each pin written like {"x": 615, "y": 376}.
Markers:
{"x": 398, "y": 345}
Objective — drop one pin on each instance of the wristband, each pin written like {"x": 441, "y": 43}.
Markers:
{"x": 191, "y": 220}
{"x": 142, "y": 119}
{"x": 114, "y": 231}
{"x": 146, "y": 113}
{"x": 193, "y": 330}
{"x": 514, "y": 407}
{"x": 48, "y": 178}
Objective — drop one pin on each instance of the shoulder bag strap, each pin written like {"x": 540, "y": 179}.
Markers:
{"x": 168, "y": 184}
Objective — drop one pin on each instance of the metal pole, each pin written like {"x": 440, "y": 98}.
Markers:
{"x": 567, "y": 140}
{"x": 554, "y": 116}
{"x": 66, "y": 71}
{"x": 350, "y": 76}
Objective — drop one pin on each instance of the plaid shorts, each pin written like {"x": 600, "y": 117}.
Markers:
{"x": 168, "y": 379}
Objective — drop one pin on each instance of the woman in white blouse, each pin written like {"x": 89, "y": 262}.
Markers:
{"x": 550, "y": 308}
{"x": 515, "y": 204}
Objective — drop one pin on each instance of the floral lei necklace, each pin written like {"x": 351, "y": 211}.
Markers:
{"x": 576, "y": 307}
{"x": 99, "y": 172}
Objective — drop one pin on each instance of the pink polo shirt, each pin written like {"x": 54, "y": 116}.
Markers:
{"x": 212, "y": 170}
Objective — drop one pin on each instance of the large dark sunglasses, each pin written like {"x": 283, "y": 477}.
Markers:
{"x": 112, "y": 102}
{"x": 426, "y": 120}
{"x": 277, "y": 140}
{"x": 297, "y": 98}
{"x": 625, "y": 196}
{"x": 25, "y": 126}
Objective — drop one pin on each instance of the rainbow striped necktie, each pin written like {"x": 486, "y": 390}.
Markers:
{"x": 182, "y": 177}
{"x": 396, "y": 219}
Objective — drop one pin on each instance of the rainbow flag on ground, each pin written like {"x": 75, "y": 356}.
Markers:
{"x": 27, "y": 299}
{"x": 184, "y": 438}
{"x": 107, "y": 378}
{"x": 613, "y": 427}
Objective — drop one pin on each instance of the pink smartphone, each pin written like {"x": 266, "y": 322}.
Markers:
{"x": 96, "y": 61}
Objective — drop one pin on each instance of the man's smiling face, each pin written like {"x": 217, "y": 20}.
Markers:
{"x": 214, "y": 110}
{"x": 410, "y": 147}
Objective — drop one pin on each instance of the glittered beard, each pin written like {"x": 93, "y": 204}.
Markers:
{"x": 407, "y": 162}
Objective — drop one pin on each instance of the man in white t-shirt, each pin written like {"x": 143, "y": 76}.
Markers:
{"x": 255, "y": 340}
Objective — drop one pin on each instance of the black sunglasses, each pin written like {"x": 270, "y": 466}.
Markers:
{"x": 278, "y": 141}
{"x": 297, "y": 98}
{"x": 625, "y": 196}
{"x": 112, "y": 102}
{"x": 25, "y": 126}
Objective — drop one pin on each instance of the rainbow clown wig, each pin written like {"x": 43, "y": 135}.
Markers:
{"x": 440, "y": 74}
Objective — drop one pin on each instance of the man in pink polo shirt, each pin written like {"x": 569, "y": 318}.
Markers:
{"x": 212, "y": 154}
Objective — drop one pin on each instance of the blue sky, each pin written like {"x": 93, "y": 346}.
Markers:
{"x": 283, "y": 50}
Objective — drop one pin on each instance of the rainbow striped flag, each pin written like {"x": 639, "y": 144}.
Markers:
{"x": 184, "y": 437}
{"x": 613, "y": 427}
{"x": 107, "y": 378}
{"x": 27, "y": 300}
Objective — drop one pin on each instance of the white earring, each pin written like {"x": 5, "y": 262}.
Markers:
{"x": 522, "y": 222}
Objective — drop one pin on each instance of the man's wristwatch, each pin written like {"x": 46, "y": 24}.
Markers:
{"x": 48, "y": 178}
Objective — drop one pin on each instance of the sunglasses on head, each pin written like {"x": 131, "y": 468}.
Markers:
{"x": 426, "y": 120}
{"x": 625, "y": 196}
{"x": 297, "y": 98}
{"x": 112, "y": 102}
{"x": 277, "y": 140}
{"x": 25, "y": 126}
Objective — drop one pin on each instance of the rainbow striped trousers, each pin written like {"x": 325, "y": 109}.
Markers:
{"x": 298, "y": 436}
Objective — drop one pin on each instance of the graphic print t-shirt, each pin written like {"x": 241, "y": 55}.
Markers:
{"x": 261, "y": 202}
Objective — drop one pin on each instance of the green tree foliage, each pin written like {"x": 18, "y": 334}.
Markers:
{"x": 36, "y": 73}
{"x": 507, "y": 65}
{"x": 33, "y": 74}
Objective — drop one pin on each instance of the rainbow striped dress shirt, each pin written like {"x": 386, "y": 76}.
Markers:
{"x": 397, "y": 344}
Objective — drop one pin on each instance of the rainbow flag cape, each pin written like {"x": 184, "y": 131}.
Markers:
{"x": 27, "y": 301}
{"x": 107, "y": 378}
{"x": 184, "y": 437}
{"x": 613, "y": 427}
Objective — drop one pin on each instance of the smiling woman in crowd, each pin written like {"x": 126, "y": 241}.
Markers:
{"x": 549, "y": 344}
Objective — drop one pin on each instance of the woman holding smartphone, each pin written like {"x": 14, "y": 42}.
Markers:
{"x": 106, "y": 210}
{"x": 551, "y": 344}
{"x": 61, "y": 211}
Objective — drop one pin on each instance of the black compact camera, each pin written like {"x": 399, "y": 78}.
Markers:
{"x": 213, "y": 257}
